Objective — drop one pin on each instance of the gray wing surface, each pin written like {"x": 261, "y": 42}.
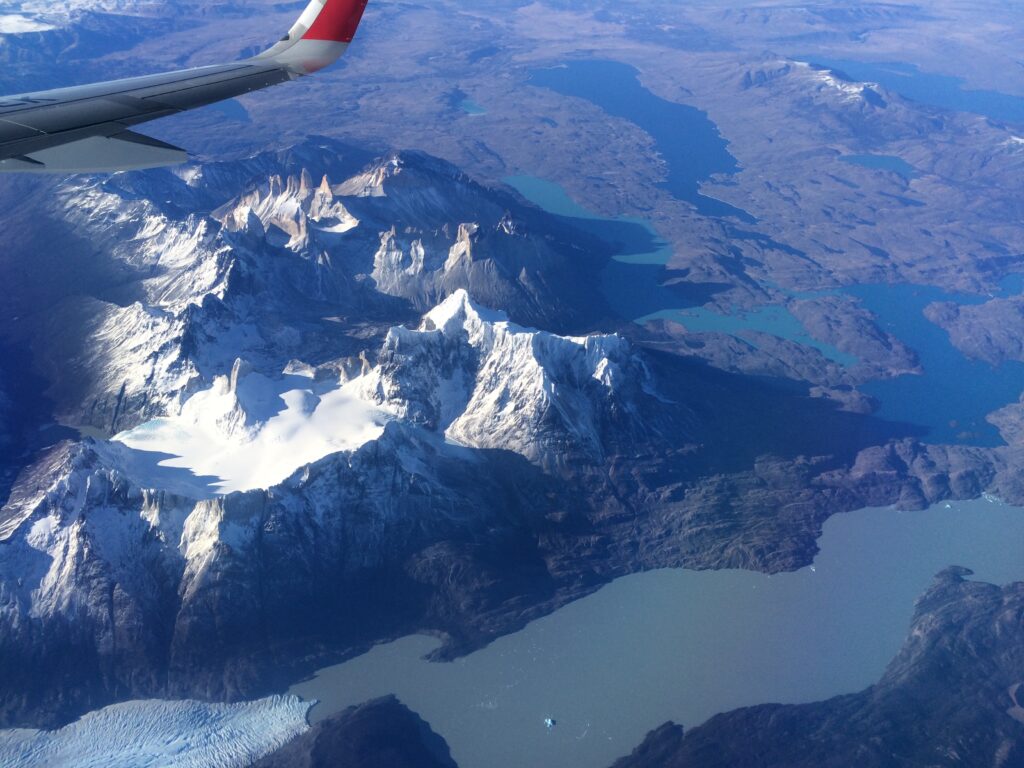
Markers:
{"x": 89, "y": 127}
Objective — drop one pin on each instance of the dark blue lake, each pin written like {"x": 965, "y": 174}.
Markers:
{"x": 929, "y": 88}
{"x": 687, "y": 139}
{"x": 955, "y": 393}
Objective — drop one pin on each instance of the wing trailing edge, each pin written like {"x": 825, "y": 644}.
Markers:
{"x": 87, "y": 128}
{"x": 125, "y": 151}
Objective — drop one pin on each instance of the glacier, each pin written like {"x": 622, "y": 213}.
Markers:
{"x": 161, "y": 734}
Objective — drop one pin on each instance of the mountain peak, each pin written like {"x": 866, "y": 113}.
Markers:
{"x": 459, "y": 310}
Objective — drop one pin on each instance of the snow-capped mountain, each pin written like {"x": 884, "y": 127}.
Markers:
{"x": 448, "y": 235}
{"x": 243, "y": 260}
{"x": 466, "y": 374}
{"x": 293, "y": 447}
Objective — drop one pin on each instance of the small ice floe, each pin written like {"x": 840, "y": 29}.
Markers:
{"x": 549, "y": 723}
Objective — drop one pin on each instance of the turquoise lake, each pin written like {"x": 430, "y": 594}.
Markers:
{"x": 712, "y": 641}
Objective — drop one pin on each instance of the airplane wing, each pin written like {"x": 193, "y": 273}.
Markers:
{"x": 87, "y": 128}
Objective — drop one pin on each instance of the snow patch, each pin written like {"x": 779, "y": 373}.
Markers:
{"x": 162, "y": 734}
{"x": 827, "y": 78}
{"x": 251, "y": 431}
{"x": 11, "y": 24}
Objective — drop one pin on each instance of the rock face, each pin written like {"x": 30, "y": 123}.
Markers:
{"x": 379, "y": 734}
{"x": 949, "y": 698}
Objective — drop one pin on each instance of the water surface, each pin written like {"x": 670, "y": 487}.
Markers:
{"x": 684, "y": 645}
{"x": 774, "y": 320}
{"x": 889, "y": 163}
{"x": 471, "y": 108}
{"x": 687, "y": 139}
{"x": 956, "y": 393}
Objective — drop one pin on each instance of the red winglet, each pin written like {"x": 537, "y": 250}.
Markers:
{"x": 338, "y": 21}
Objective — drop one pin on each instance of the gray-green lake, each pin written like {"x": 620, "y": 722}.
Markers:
{"x": 683, "y": 645}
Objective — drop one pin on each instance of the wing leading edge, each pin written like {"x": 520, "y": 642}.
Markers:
{"x": 88, "y": 127}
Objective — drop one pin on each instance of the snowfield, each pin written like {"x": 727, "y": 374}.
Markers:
{"x": 249, "y": 431}
{"x": 161, "y": 734}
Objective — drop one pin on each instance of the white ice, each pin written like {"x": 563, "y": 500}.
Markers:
{"x": 161, "y": 734}
{"x": 257, "y": 436}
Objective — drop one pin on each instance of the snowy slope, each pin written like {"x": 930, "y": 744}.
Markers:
{"x": 17, "y": 24}
{"x": 161, "y": 734}
{"x": 18, "y": 17}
